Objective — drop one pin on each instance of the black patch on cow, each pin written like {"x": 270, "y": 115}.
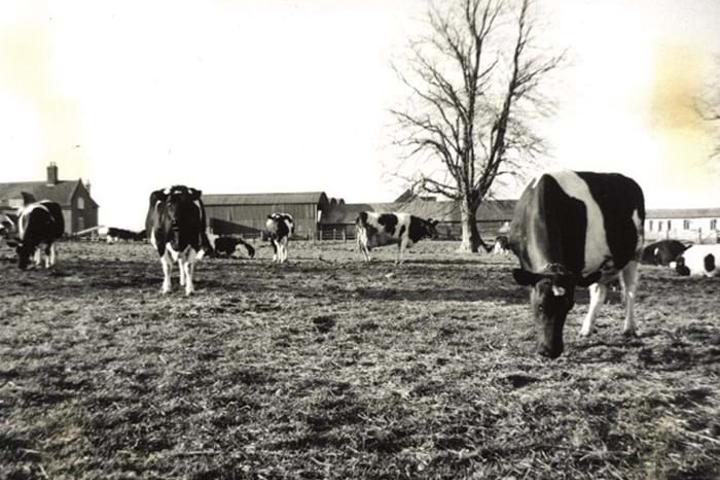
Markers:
{"x": 389, "y": 222}
{"x": 709, "y": 262}
{"x": 42, "y": 224}
{"x": 556, "y": 222}
{"x": 618, "y": 197}
{"x": 681, "y": 268}
{"x": 667, "y": 251}
{"x": 362, "y": 222}
{"x": 418, "y": 229}
{"x": 279, "y": 227}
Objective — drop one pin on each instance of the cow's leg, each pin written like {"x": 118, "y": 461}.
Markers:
{"x": 275, "y": 249}
{"x": 47, "y": 251}
{"x": 628, "y": 281}
{"x": 598, "y": 291}
{"x": 167, "y": 264}
{"x": 52, "y": 254}
{"x": 37, "y": 257}
{"x": 189, "y": 265}
{"x": 401, "y": 248}
{"x": 283, "y": 249}
{"x": 181, "y": 266}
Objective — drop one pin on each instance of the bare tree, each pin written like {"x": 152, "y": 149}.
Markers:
{"x": 473, "y": 91}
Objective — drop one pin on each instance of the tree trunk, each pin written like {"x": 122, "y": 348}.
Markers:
{"x": 470, "y": 235}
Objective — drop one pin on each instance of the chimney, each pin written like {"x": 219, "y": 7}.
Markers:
{"x": 52, "y": 174}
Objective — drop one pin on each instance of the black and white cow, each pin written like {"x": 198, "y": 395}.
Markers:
{"x": 379, "y": 229}
{"x": 280, "y": 227}
{"x": 699, "y": 260}
{"x": 501, "y": 246}
{"x": 574, "y": 229}
{"x": 38, "y": 226}
{"x": 662, "y": 252}
{"x": 225, "y": 246}
{"x": 175, "y": 225}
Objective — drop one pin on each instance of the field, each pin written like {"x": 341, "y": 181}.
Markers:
{"x": 330, "y": 368}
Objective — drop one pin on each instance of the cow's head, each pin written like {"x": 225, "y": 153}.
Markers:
{"x": 680, "y": 267}
{"x": 24, "y": 251}
{"x": 181, "y": 211}
{"x": 552, "y": 295}
{"x": 430, "y": 227}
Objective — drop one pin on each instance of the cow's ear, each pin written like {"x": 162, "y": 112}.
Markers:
{"x": 523, "y": 277}
{"x": 195, "y": 194}
{"x": 434, "y": 222}
{"x": 158, "y": 196}
{"x": 590, "y": 279}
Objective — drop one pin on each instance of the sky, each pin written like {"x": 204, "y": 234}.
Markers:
{"x": 287, "y": 95}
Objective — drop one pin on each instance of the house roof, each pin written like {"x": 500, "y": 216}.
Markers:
{"x": 683, "y": 213}
{"x": 489, "y": 210}
{"x": 293, "y": 198}
{"x": 61, "y": 192}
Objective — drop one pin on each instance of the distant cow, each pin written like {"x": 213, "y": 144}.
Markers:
{"x": 113, "y": 234}
{"x": 226, "y": 246}
{"x": 699, "y": 260}
{"x": 380, "y": 229}
{"x": 38, "y": 226}
{"x": 280, "y": 227}
{"x": 501, "y": 246}
{"x": 176, "y": 225}
{"x": 662, "y": 252}
{"x": 576, "y": 229}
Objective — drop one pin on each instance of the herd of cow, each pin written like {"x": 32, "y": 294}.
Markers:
{"x": 569, "y": 229}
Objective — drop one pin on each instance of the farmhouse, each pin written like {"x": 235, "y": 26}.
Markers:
{"x": 492, "y": 215}
{"x": 699, "y": 225}
{"x": 79, "y": 209}
{"x": 247, "y": 213}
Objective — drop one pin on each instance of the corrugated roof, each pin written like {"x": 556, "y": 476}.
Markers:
{"x": 489, "y": 210}
{"x": 318, "y": 198}
{"x": 683, "y": 213}
{"x": 61, "y": 192}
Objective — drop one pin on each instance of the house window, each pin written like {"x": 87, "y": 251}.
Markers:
{"x": 686, "y": 224}
{"x": 650, "y": 225}
{"x": 713, "y": 224}
{"x": 80, "y": 224}
{"x": 80, "y": 203}
{"x": 669, "y": 225}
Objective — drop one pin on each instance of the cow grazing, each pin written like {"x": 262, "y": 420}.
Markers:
{"x": 280, "y": 227}
{"x": 38, "y": 226}
{"x": 380, "y": 229}
{"x": 225, "y": 246}
{"x": 662, "y": 252}
{"x": 574, "y": 229}
{"x": 176, "y": 225}
{"x": 699, "y": 260}
{"x": 501, "y": 246}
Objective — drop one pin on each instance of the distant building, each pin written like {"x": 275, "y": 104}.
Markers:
{"x": 246, "y": 213}
{"x": 79, "y": 209}
{"x": 699, "y": 225}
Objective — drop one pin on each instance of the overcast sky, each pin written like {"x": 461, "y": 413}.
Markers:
{"x": 282, "y": 95}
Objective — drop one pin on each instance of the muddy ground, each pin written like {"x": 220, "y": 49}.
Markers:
{"x": 330, "y": 368}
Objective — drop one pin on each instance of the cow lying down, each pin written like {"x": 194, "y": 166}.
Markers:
{"x": 380, "y": 229}
{"x": 699, "y": 260}
{"x": 224, "y": 246}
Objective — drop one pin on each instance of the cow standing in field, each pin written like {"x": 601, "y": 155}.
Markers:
{"x": 39, "y": 225}
{"x": 662, "y": 252}
{"x": 380, "y": 229}
{"x": 699, "y": 260}
{"x": 574, "y": 229}
{"x": 280, "y": 227}
{"x": 175, "y": 225}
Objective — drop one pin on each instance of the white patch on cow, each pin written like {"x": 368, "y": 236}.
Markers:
{"x": 695, "y": 259}
{"x": 597, "y": 250}
{"x": 558, "y": 291}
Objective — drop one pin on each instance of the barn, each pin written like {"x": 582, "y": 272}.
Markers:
{"x": 698, "y": 225}
{"x": 339, "y": 221}
{"x": 79, "y": 208}
{"x": 246, "y": 213}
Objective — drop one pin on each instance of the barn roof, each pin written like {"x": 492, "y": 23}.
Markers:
{"x": 683, "y": 213}
{"x": 293, "y": 198}
{"x": 489, "y": 210}
{"x": 61, "y": 192}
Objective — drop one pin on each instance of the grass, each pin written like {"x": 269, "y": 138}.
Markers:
{"x": 329, "y": 368}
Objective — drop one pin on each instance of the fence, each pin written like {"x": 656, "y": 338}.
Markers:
{"x": 695, "y": 235}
